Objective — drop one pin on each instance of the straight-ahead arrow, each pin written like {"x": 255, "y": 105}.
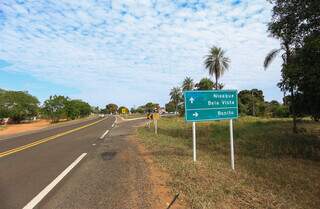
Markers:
{"x": 191, "y": 100}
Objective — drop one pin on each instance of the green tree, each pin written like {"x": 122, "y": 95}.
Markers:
{"x": 187, "y": 84}
{"x": 77, "y": 108}
{"x": 18, "y": 105}
{"x": 308, "y": 61}
{"x": 140, "y": 110}
{"x": 292, "y": 21}
{"x": 71, "y": 109}
{"x": 205, "y": 84}
{"x": 123, "y": 109}
{"x": 170, "y": 107}
{"x": 276, "y": 110}
{"x": 95, "y": 110}
{"x": 151, "y": 107}
{"x": 217, "y": 63}
{"x": 103, "y": 111}
{"x": 176, "y": 97}
{"x": 111, "y": 108}
{"x": 251, "y": 102}
{"x": 85, "y": 108}
{"x": 133, "y": 110}
{"x": 55, "y": 108}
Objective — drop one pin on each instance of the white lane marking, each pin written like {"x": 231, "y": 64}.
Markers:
{"x": 48, "y": 188}
{"x": 107, "y": 131}
{"x": 103, "y": 135}
{"x": 93, "y": 144}
{"x": 115, "y": 121}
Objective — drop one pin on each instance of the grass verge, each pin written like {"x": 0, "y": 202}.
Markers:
{"x": 132, "y": 116}
{"x": 274, "y": 167}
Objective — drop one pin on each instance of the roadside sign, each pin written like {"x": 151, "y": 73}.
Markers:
{"x": 211, "y": 105}
{"x": 124, "y": 111}
{"x": 156, "y": 116}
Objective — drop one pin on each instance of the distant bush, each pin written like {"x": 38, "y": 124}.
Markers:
{"x": 111, "y": 108}
{"x": 55, "y": 108}
{"x": 282, "y": 111}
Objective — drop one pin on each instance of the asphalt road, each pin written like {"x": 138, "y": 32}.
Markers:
{"x": 28, "y": 163}
{"x": 113, "y": 176}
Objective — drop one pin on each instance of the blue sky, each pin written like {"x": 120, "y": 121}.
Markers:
{"x": 131, "y": 52}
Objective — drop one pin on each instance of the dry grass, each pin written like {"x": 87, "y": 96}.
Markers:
{"x": 274, "y": 167}
{"x": 134, "y": 115}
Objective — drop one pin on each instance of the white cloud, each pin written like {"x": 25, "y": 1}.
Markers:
{"x": 135, "y": 51}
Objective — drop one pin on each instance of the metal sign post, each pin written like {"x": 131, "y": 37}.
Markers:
{"x": 194, "y": 141}
{"x": 231, "y": 145}
{"x": 211, "y": 105}
{"x": 156, "y": 117}
{"x": 155, "y": 126}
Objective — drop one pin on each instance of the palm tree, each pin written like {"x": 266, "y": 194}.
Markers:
{"x": 219, "y": 85}
{"x": 176, "y": 96}
{"x": 187, "y": 84}
{"x": 216, "y": 63}
{"x": 286, "y": 55}
{"x": 271, "y": 55}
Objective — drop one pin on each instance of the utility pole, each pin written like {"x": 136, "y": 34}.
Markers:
{"x": 253, "y": 110}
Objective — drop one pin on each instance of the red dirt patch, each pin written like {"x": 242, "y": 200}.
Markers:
{"x": 159, "y": 179}
{"x": 19, "y": 128}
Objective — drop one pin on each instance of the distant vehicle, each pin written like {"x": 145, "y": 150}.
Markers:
{"x": 101, "y": 115}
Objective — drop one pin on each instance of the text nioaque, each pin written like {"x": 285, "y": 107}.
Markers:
{"x": 211, "y": 105}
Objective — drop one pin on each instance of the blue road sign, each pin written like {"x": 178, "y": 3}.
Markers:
{"x": 211, "y": 105}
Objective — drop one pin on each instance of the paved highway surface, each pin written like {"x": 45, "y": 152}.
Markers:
{"x": 31, "y": 162}
{"x": 92, "y": 164}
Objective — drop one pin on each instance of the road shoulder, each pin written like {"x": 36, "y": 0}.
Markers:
{"x": 158, "y": 176}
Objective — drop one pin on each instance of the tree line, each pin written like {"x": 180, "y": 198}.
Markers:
{"x": 217, "y": 63}
{"x": 58, "y": 107}
{"x": 20, "y": 105}
{"x": 296, "y": 24}
{"x": 114, "y": 109}
{"x": 251, "y": 102}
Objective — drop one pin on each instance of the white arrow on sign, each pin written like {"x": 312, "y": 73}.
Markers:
{"x": 195, "y": 114}
{"x": 191, "y": 100}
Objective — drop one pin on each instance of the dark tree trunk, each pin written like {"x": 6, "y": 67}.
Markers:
{"x": 293, "y": 112}
{"x": 216, "y": 87}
